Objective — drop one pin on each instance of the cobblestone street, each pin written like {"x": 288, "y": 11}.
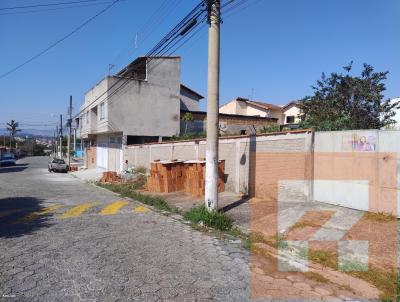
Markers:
{"x": 90, "y": 255}
{"x": 62, "y": 239}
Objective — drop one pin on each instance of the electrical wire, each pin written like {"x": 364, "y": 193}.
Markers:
{"x": 232, "y": 7}
{"x": 46, "y": 5}
{"x": 169, "y": 41}
{"x": 59, "y": 41}
{"x": 55, "y": 9}
{"x": 152, "y": 23}
{"x": 166, "y": 41}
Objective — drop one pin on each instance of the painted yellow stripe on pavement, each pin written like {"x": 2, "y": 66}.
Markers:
{"x": 141, "y": 209}
{"x": 76, "y": 211}
{"x": 41, "y": 212}
{"x": 113, "y": 208}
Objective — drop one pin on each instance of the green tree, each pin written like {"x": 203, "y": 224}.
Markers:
{"x": 12, "y": 127}
{"x": 345, "y": 102}
{"x": 187, "y": 117}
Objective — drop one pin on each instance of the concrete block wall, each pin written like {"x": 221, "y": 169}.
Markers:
{"x": 280, "y": 168}
{"x": 328, "y": 167}
{"x": 363, "y": 168}
{"x": 235, "y": 152}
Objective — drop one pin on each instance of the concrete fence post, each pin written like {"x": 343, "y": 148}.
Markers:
{"x": 196, "y": 150}
{"x": 237, "y": 166}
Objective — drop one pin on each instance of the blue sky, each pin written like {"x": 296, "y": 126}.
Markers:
{"x": 272, "y": 50}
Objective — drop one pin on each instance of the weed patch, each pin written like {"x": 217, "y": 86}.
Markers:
{"x": 316, "y": 277}
{"x": 323, "y": 257}
{"x": 214, "y": 219}
{"x": 128, "y": 190}
{"x": 380, "y": 217}
{"x": 256, "y": 237}
{"x": 303, "y": 224}
{"x": 386, "y": 282}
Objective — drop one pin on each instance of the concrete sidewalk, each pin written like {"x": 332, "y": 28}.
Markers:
{"x": 88, "y": 175}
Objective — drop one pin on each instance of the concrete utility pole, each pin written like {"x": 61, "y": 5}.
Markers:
{"x": 56, "y": 142}
{"x": 69, "y": 130}
{"x": 61, "y": 136}
{"x": 74, "y": 139}
{"x": 211, "y": 188}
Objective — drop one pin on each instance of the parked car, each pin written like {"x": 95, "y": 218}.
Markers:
{"x": 7, "y": 159}
{"x": 57, "y": 165}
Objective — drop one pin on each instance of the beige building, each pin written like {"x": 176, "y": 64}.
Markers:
{"x": 247, "y": 107}
{"x": 291, "y": 114}
{"x": 285, "y": 115}
{"x": 139, "y": 104}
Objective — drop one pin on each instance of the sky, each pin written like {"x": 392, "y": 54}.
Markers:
{"x": 271, "y": 50}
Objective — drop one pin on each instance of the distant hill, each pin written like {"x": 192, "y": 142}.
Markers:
{"x": 30, "y": 132}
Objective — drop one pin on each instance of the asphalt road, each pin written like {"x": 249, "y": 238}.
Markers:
{"x": 64, "y": 240}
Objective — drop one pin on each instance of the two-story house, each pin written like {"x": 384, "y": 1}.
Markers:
{"x": 248, "y": 107}
{"x": 291, "y": 115}
{"x": 141, "y": 103}
{"x": 286, "y": 116}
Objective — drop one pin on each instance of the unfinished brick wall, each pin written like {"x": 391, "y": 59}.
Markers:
{"x": 91, "y": 158}
{"x": 282, "y": 167}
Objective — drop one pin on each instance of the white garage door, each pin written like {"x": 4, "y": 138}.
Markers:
{"x": 114, "y": 159}
{"x": 102, "y": 157}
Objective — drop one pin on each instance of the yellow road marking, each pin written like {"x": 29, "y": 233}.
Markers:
{"x": 76, "y": 211}
{"x": 114, "y": 207}
{"x": 141, "y": 209}
{"x": 41, "y": 212}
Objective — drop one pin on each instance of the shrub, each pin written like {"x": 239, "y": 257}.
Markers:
{"x": 269, "y": 129}
{"x": 212, "y": 219}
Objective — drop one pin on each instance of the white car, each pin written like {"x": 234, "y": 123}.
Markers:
{"x": 7, "y": 159}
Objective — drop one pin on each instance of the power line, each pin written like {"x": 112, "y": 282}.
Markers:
{"x": 60, "y": 40}
{"x": 166, "y": 43}
{"x": 146, "y": 30}
{"x": 46, "y": 5}
{"x": 55, "y": 9}
{"x": 169, "y": 41}
{"x": 163, "y": 48}
{"x": 231, "y": 10}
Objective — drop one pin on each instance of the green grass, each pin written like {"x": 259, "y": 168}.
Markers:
{"x": 316, "y": 277}
{"x": 257, "y": 237}
{"x": 386, "y": 281}
{"x": 213, "y": 219}
{"x": 128, "y": 190}
{"x": 323, "y": 257}
{"x": 353, "y": 267}
{"x": 380, "y": 217}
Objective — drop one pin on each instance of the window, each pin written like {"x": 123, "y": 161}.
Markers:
{"x": 102, "y": 111}
{"x": 87, "y": 117}
{"x": 290, "y": 119}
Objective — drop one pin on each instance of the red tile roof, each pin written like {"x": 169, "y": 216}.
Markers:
{"x": 262, "y": 105}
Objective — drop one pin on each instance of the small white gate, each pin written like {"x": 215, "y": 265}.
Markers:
{"x": 102, "y": 157}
